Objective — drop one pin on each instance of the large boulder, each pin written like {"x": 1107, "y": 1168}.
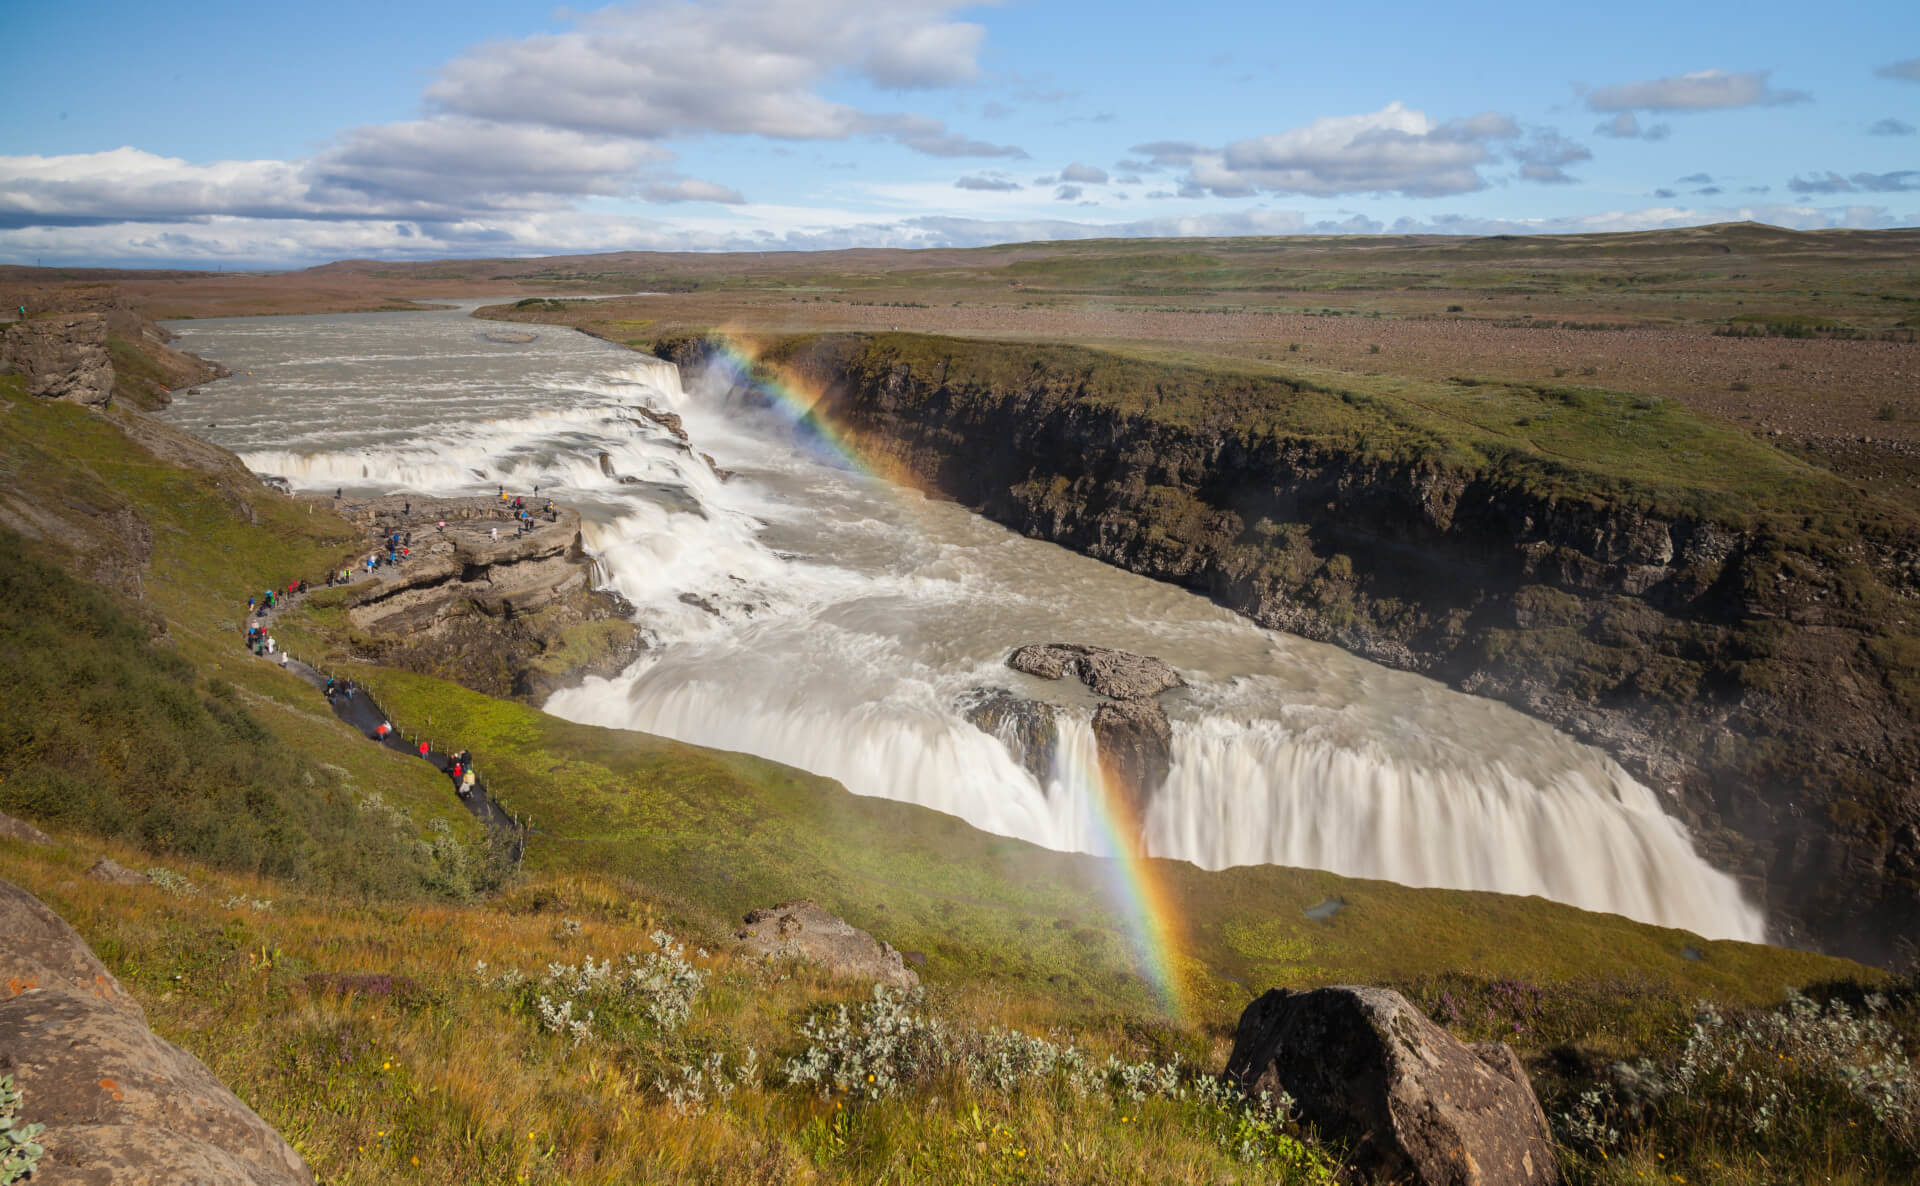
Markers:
{"x": 803, "y": 930}
{"x": 120, "y": 1103}
{"x": 63, "y": 357}
{"x": 1026, "y": 727}
{"x": 21, "y": 830}
{"x": 1414, "y": 1104}
{"x": 114, "y": 873}
{"x": 1136, "y": 748}
{"x": 1121, "y": 675}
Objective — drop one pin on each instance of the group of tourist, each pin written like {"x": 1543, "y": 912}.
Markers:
{"x": 396, "y": 548}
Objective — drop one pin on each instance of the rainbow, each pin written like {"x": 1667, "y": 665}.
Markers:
{"x": 805, "y": 404}
{"x": 1136, "y": 885}
{"x": 1133, "y": 881}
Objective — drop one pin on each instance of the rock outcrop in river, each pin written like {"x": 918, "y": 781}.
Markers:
{"x": 1753, "y": 670}
{"x": 1131, "y": 729}
{"x": 507, "y": 614}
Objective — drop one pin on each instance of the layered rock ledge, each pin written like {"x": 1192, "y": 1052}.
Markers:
{"x": 479, "y": 603}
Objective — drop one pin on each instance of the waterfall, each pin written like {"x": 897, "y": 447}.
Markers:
{"x": 823, "y": 619}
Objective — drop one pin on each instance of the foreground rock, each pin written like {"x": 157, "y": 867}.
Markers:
{"x": 21, "y": 830}
{"x": 804, "y": 930}
{"x": 1118, "y": 674}
{"x": 1136, "y": 749}
{"x": 1026, "y": 727}
{"x": 114, "y": 873}
{"x": 63, "y": 357}
{"x": 480, "y": 604}
{"x": 120, "y": 1103}
{"x": 1416, "y": 1105}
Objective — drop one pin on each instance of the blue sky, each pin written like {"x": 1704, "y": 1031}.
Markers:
{"x": 243, "y": 135}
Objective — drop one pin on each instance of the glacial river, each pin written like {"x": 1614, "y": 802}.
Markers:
{"x": 813, "y": 614}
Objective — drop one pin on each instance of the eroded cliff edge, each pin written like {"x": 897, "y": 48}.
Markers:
{"x": 1752, "y": 655}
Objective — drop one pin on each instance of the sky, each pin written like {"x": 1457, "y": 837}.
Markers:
{"x": 265, "y": 136}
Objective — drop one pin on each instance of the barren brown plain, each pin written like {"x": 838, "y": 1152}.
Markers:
{"x": 1807, "y": 338}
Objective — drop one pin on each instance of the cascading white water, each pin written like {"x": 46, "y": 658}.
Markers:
{"x": 809, "y": 614}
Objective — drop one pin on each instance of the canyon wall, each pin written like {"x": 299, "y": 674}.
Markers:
{"x": 1756, "y": 669}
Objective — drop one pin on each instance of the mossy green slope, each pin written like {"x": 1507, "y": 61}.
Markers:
{"x": 724, "y": 832}
{"x": 145, "y": 718}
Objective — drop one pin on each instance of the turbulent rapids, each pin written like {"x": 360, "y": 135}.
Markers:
{"x": 808, "y": 612}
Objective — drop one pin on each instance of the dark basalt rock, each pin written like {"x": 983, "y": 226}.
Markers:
{"x": 667, "y": 420}
{"x": 1136, "y": 748}
{"x": 1119, "y": 674}
{"x": 1412, "y": 1102}
{"x": 1026, "y": 727}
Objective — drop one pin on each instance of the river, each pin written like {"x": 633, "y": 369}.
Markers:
{"x": 809, "y": 612}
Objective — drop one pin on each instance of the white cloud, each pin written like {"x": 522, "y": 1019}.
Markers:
{"x": 1543, "y": 154}
{"x": 128, "y": 183}
{"x": 1393, "y": 150}
{"x": 465, "y": 164}
{"x": 1904, "y": 71}
{"x": 744, "y": 67}
{"x": 1904, "y": 181}
{"x": 281, "y": 242}
{"x": 1085, "y": 174}
{"x": 691, "y": 189}
{"x": 988, "y": 182}
{"x": 1702, "y": 90}
{"x": 1626, "y": 126}
{"x": 441, "y": 169}
{"x": 1067, "y": 193}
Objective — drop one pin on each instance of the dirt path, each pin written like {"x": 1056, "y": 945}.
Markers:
{"x": 357, "y": 707}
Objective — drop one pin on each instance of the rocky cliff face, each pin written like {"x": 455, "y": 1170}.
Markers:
{"x": 1744, "y": 669}
{"x": 512, "y": 616}
{"x": 63, "y": 357}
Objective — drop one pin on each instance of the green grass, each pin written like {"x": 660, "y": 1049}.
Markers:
{"x": 1557, "y": 441}
{"x": 153, "y": 721}
{"x": 729, "y": 832}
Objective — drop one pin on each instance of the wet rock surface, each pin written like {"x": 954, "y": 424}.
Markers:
{"x": 1414, "y": 1104}
{"x": 1136, "y": 748}
{"x": 801, "y": 929}
{"x": 120, "y": 1103}
{"x": 1028, "y": 728}
{"x": 1120, "y": 675}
